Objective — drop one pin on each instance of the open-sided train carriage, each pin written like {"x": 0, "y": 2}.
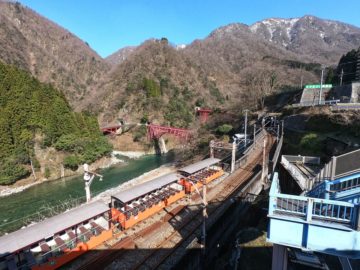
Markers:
{"x": 60, "y": 239}
{"x": 195, "y": 174}
{"x": 56, "y": 240}
{"x": 142, "y": 201}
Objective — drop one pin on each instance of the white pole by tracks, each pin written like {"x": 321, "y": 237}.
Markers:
{"x": 88, "y": 178}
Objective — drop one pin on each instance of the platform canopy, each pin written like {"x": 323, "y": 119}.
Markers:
{"x": 33, "y": 234}
{"x": 145, "y": 188}
{"x": 198, "y": 166}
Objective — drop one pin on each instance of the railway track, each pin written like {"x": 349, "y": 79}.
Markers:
{"x": 169, "y": 245}
{"x": 160, "y": 254}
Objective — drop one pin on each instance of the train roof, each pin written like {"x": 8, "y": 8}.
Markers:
{"x": 193, "y": 168}
{"x": 145, "y": 188}
{"x": 30, "y": 235}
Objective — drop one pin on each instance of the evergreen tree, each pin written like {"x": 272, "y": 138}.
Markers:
{"x": 28, "y": 107}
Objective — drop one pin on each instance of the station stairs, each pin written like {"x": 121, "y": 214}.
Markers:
{"x": 324, "y": 218}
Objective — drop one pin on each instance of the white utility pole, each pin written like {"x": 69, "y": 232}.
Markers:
{"x": 233, "y": 157}
{"x": 246, "y": 112}
{"x": 88, "y": 179}
{"x": 265, "y": 169}
{"x": 205, "y": 215}
{"x": 204, "y": 218}
{"x": 212, "y": 148}
{"x": 341, "y": 76}
{"x": 254, "y": 143}
{"x": 321, "y": 83}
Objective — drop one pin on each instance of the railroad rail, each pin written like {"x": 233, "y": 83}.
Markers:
{"x": 159, "y": 255}
{"x": 166, "y": 248}
{"x": 214, "y": 206}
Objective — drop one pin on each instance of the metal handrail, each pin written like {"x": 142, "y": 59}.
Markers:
{"x": 309, "y": 208}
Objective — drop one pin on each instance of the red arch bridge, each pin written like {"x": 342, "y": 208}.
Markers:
{"x": 153, "y": 131}
{"x": 111, "y": 129}
{"x": 156, "y": 131}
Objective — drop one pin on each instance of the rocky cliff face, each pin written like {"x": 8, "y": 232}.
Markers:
{"x": 120, "y": 56}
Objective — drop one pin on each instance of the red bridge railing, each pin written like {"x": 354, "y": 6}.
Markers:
{"x": 110, "y": 129}
{"x": 156, "y": 131}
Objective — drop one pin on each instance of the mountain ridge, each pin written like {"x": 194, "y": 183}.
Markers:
{"x": 217, "y": 69}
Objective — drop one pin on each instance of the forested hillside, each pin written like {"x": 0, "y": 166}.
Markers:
{"x": 347, "y": 65}
{"x": 49, "y": 52}
{"x": 30, "y": 109}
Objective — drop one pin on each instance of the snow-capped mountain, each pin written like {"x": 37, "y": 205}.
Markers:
{"x": 310, "y": 36}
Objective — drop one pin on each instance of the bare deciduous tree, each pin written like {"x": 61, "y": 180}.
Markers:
{"x": 261, "y": 83}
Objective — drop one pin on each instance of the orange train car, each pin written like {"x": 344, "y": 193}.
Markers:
{"x": 60, "y": 239}
{"x": 140, "y": 202}
{"x": 131, "y": 206}
{"x": 195, "y": 174}
{"x": 57, "y": 240}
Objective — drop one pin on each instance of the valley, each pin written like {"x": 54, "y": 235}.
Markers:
{"x": 170, "y": 131}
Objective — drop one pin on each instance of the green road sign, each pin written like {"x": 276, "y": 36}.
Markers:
{"x": 318, "y": 86}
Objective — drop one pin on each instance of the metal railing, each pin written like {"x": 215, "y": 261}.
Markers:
{"x": 318, "y": 191}
{"x": 308, "y": 208}
{"x": 312, "y": 209}
{"x": 277, "y": 153}
{"x": 342, "y": 107}
{"x": 334, "y": 189}
{"x": 303, "y": 159}
{"x": 345, "y": 185}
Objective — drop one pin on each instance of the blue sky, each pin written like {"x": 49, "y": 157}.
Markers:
{"x": 109, "y": 25}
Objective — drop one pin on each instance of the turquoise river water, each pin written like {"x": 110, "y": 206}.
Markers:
{"x": 53, "y": 197}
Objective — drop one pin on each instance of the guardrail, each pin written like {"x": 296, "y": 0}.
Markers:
{"x": 277, "y": 153}
{"x": 296, "y": 174}
{"x": 303, "y": 159}
{"x": 241, "y": 161}
{"x": 316, "y": 102}
{"x": 342, "y": 107}
{"x": 308, "y": 208}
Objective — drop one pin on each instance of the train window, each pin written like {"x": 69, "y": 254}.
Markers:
{"x": 117, "y": 204}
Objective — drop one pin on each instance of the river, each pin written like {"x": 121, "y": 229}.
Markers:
{"x": 47, "y": 198}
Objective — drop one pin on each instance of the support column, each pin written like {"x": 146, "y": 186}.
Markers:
{"x": 163, "y": 149}
{"x": 357, "y": 224}
{"x": 246, "y": 113}
{"x": 204, "y": 219}
{"x": 327, "y": 189}
{"x": 254, "y": 143}
{"x": 233, "y": 157}
{"x": 333, "y": 168}
{"x": 279, "y": 259}
{"x": 265, "y": 167}
{"x": 62, "y": 171}
{"x": 212, "y": 148}
{"x": 87, "y": 191}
